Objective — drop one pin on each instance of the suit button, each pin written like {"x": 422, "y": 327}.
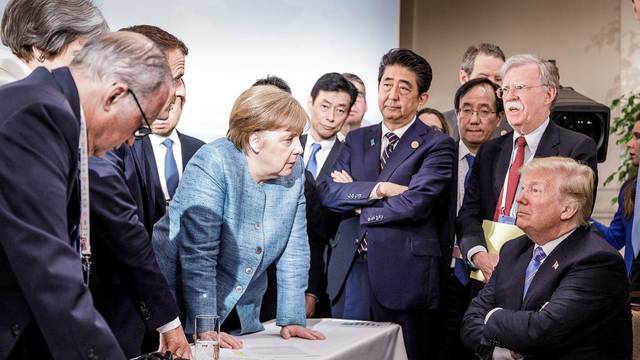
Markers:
{"x": 239, "y": 289}
{"x": 248, "y": 271}
{"x": 91, "y": 354}
{"x": 258, "y": 250}
{"x": 258, "y": 226}
{"x": 356, "y": 240}
{"x": 16, "y": 330}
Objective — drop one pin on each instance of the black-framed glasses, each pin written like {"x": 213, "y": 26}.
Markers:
{"x": 141, "y": 131}
{"x": 467, "y": 113}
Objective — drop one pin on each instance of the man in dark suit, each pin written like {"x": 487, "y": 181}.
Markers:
{"x": 329, "y": 104}
{"x": 128, "y": 287}
{"x": 529, "y": 88}
{"x": 387, "y": 180}
{"x": 560, "y": 291}
{"x": 479, "y": 111}
{"x": 47, "y": 309}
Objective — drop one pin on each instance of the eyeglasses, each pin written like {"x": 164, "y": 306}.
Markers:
{"x": 516, "y": 89}
{"x": 467, "y": 113}
{"x": 141, "y": 131}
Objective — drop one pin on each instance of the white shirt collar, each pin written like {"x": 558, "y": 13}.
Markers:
{"x": 534, "y": 137}
{"x": 551, "y": 245}
{"x": 399, "y": 131}
{"x": 463, "y": 150}
{"x": 324, "y": 144}
{"x": 156, "y": 140}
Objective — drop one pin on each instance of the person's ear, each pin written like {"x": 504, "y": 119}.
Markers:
{"x": 463, "y": 77}
{"x": 115, "y": 94}
{"x": 422, "y": 99}
{"x": 569, "y": 209}
{"x": 255, "y": 142}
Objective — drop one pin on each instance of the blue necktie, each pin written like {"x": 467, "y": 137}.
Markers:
{"x": 170, "y": 169}
{"x": 393, "y": 140}
{"x": 532, "y": 269}
{"x": 635, "y": 228}
{"x": 470, "y": 158}
{"x": 312, "y": 164}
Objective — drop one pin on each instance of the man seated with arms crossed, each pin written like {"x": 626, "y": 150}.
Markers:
{"x": 560, "y": 291}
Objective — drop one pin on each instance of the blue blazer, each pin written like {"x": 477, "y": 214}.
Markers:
{"x": 618, "y": 233}
{"x": 41, "y": 284}
{"x": 404, "y": 247}
{"x": 223, "y": 230}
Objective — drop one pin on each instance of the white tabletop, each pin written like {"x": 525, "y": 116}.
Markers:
{"x": 346, "y": 339}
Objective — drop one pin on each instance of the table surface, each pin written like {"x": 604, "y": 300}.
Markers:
{"x": 345, "y": 340}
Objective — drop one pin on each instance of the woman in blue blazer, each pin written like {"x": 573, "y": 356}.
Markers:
{"x": 618, "y": 233}
{"x": 239, "y": 207}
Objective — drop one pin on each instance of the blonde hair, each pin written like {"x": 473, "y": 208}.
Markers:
{"x": 575, "y": 181}
{"x": 264, "y": 108}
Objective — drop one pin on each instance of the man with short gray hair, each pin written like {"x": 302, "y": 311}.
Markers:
{"x": 529, "y": 88}
{"x": 50, "y": 123}
{"x": 559, "y": 291}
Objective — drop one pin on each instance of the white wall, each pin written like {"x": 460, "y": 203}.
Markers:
{"x": 234, "y": 42}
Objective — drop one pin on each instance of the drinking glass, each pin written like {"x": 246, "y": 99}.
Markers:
{"x": 207, "y": 337}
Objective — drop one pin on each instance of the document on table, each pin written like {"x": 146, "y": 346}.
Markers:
{"x": 496, "y": 234}
{"x": 266, "y": 352}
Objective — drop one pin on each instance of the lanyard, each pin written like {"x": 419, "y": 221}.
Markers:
{"x": 85, "y": 244}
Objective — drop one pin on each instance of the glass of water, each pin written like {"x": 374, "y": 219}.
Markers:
{"x": 207, "y": 336}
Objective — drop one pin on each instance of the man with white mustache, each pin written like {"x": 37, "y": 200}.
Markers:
{"x": 529, "y": 88}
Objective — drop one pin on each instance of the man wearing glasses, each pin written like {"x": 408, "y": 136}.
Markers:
{"x": 529, "y": 87}
{"x": 479, "y": 111}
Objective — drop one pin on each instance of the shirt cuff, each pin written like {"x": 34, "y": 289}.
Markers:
{"x": 374, "y": 193}
{"x": 486, "y": 318}
{"x": 474, "y": 250}
{"x": 169, "y": 326}
{"x": 312, "y": 295}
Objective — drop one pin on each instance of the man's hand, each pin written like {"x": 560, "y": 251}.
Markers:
{"x": 486, "y": 263}
{"x": 176, "y": 342}
{"x": 229, "y": 342}
{"x": 299, "y": 331}
{"x": 341, "y": 177}
{"x": 386, "y": 189}
{"x": 310, "y": 304}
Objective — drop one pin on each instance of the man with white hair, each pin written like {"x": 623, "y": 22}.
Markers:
{"x": 50, "y": 123}
{"x": 560, "y": 291}
{"x": 529, "y": 88}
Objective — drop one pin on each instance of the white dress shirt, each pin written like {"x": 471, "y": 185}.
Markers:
{"x": 463, "y": 169}
{"x": 160, "y": 151}
{"x": 321, "y": 155}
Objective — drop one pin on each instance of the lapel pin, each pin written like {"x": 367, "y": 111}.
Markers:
{"x": 555, "y": 266}
{"x": 415, "y": 144}
{"x": 373, "y": 142}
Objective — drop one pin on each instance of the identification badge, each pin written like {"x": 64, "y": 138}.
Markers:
{"x": 504, "y": 219}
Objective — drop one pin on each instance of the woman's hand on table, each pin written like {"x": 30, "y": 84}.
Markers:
{"x": 290, "y": 331}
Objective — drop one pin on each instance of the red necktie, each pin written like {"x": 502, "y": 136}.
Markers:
{"x": 514, "y": 178}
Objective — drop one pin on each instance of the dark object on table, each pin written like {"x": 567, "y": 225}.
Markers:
{"x": 158, "y": 356}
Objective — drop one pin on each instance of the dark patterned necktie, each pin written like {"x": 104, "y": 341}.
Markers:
{"x": 393, "y": 140}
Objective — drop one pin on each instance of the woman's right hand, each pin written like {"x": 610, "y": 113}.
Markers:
{"x": 229, "y": 342}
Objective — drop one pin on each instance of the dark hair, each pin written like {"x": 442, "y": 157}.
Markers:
{"x": 469, "y": 57}
{"x": 334, "y": 82}
{"x": 438, "y": 114}
{"x": 410, "y": 60}
{"x": 274, "y": 81}
{"x": 466, "y": 87}
{"x": 163, "y": 39}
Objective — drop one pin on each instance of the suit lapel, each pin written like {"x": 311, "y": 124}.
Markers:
{"x": 552, "y": 267}
{"x": 331, "y": 159}
{"x": 303, "y": 141}
{"x": 549, "y": 142}
{"x": 408, "y": 143}
{"x": 67, "y": 85}
{"x": 502, "y": 164}
{"x": 155, "y": 188}
{"x": 371, "y": 151}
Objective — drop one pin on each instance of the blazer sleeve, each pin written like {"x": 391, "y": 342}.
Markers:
{"x": 591, "y": 293}
{"x": 615, "y": 232}
{"x": 42, "y": 143}
{"x": 196, "y": 216}
{"x": 292, "y": 268}
{"x": 114, "y": 216}
{"x": 345, "y": 197}
{"x": 423, "y": 193}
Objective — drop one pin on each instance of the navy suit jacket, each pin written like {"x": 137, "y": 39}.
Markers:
{"x": 41, "y": 283}
{"x": 577, "y": 306}
{"x": 154, "y": 204}
{"x": 404, "y": 247}
{"x": 490, "y": 169}
{"x": 128, "y": 287}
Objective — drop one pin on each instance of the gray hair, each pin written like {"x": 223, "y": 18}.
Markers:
{"x": 549, "y": 75}
{"x": 575, "y": 181}
{"x": 49, "y": 25}
{"x": 125, "y": 57}
{"x": 469, "y": 57}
